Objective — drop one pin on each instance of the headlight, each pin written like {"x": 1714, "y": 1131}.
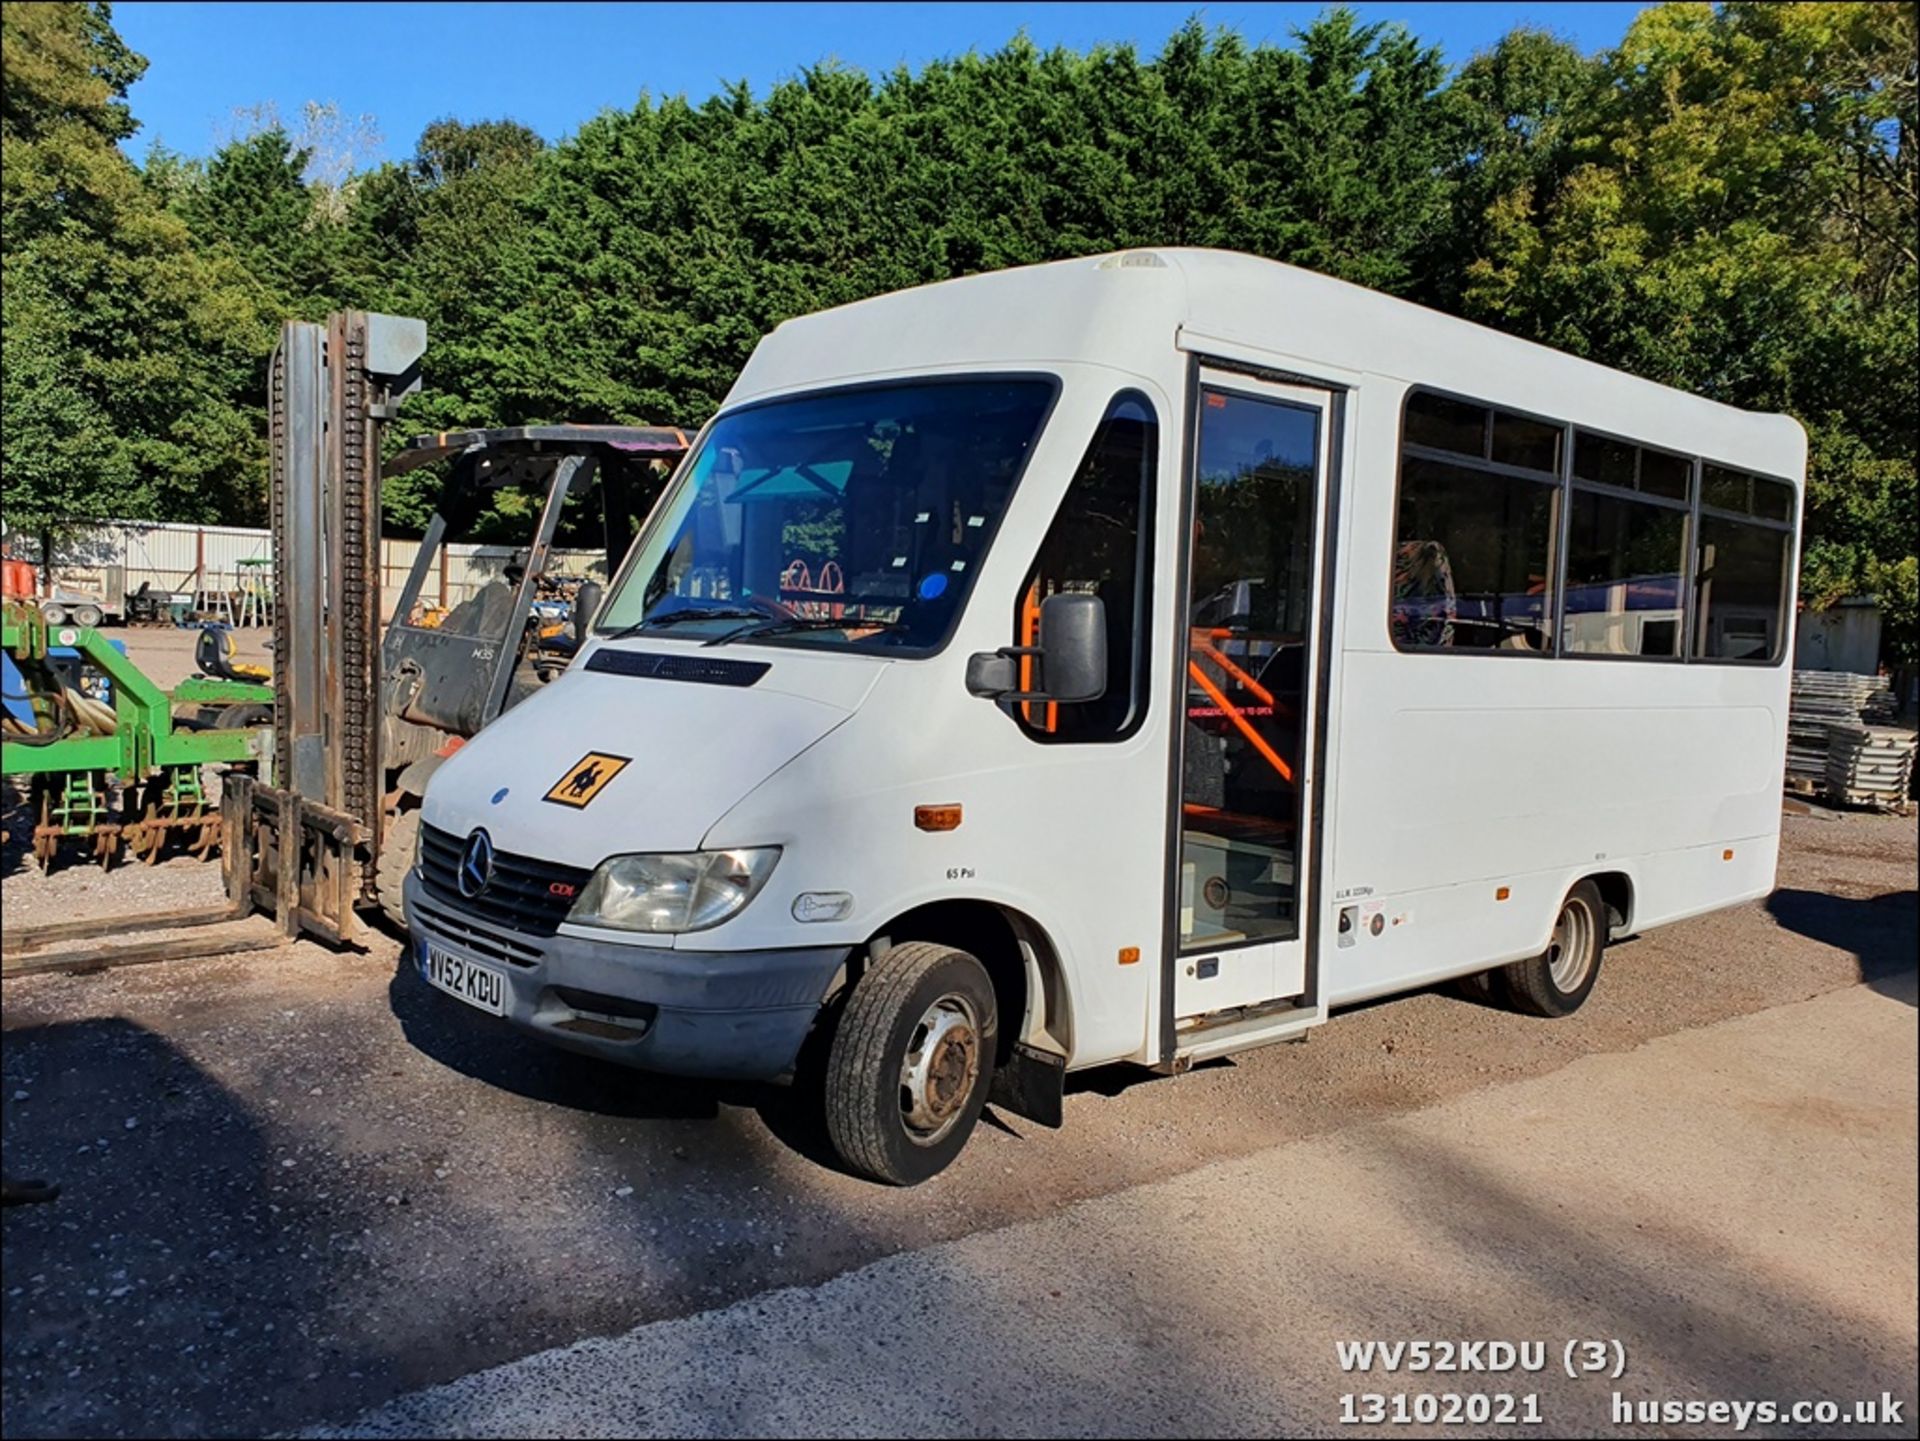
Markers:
{"x": 669, "y": 894}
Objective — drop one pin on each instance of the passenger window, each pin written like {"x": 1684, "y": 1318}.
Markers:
{"x": 1473, "y": 559}
{"x": 1101, "y": 543}
{"x": 1605, "y": 461}
{"x": 1666, "y": 475}
{"x": 1743, "y": 571}
{"x": 1530, "y": 444}
{"x": 1626, "y": 576}
{"x": 1438, "y": 423}
{"x": 1626, "y": 550}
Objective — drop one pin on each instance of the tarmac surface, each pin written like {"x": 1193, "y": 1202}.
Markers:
{"x": 298, "y": 1186}
{"x": 1637, "y": 1200}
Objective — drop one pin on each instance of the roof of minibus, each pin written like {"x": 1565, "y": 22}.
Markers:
{"x": 1124, "y": 309}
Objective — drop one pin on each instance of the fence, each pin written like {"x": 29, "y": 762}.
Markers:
{"x": 207, "y": 561}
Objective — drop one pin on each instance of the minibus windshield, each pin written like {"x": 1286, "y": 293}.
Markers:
{"x": 852, "y": 518}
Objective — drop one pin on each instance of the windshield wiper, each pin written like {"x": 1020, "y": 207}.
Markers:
{"x": 784, "y": 624}
{"x": 675, "y": 617}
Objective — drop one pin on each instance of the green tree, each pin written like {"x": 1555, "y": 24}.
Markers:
{"x": 122, "y": 344}
{"x": 1734, "y": 215}
{"x": 252, "y": 202}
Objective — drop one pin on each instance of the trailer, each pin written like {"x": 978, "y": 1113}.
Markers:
{"x": 117, "y": 767}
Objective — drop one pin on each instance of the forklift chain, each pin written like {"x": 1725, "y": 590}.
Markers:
{"x": 359, "y": 638}
{"x": 276, "y": 509}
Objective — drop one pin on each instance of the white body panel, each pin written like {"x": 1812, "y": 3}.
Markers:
{"x": 1446, "y": 776}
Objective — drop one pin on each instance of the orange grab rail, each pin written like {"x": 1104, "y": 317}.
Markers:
{"x": 1254, "y": 738}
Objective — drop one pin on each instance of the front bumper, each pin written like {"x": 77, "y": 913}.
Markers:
{"x": 721, "y": 1014}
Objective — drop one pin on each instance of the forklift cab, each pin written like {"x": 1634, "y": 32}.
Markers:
{"x": 447, "y": 672}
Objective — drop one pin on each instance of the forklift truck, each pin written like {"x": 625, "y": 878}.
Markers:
{"x": 363, "y": 717}
{"x": 445, "y": 675}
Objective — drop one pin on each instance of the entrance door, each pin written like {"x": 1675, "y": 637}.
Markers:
{"x": 1259, "y": 458}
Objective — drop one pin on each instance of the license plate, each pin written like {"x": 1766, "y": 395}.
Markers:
{"x": 472, "y": 982}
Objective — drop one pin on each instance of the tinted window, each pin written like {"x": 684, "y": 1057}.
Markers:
{"x": 1742, "y": 589}
{"x": 1725, "y": 489}
{"x": 1473, "y": 563}
{"x": 1772, "y": 500}
{"x": 1626, "y": 576}
{"x": 1530, "y": 443}
{"x": 1442, "y": 424}
{"x": 1100, "y": 542}
{"x": 1667, "y": 475}
{"x": 1607, "y": 461}
{"x": 1604, "y": 460}
{"x": 1475, "y": 552}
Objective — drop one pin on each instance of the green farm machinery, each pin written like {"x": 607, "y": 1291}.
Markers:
{"x": 118, "y": 768}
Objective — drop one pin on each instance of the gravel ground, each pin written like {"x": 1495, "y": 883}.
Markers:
{"x": 297, "y": 1184}
{"x": 165, "y": 652}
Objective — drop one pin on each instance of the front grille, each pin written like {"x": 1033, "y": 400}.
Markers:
{"x": 472, "y": 936}
{"x": 525, "y": 895}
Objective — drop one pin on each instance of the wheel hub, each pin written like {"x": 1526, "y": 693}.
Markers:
{"x": 939, "y": 1069}
{"x": 1570, "y": 952}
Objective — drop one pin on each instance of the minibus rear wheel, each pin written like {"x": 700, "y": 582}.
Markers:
{"x": 910, "y": 1063}
{"x": 1559, "y": 979}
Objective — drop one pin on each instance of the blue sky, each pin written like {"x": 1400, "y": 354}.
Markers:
{"x": 552, "y": 66}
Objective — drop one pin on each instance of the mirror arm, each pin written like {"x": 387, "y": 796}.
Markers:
{"x": 1011, "y": 696}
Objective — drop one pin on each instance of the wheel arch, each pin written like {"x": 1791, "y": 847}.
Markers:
{"x": 1616, "y": 889}
{"x": 1029, "y": 980}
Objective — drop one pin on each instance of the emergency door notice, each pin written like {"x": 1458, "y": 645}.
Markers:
{"x": 587, "y": 777}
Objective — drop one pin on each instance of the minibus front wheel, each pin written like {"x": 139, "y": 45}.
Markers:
{"x": 911, "y": 1061}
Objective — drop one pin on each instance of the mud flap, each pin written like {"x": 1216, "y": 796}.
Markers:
{"x": 1033, "y": 1084}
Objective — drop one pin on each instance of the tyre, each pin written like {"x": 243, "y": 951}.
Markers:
{"x": 910, "y": 1063}
{"x": 396, "y": 859}
{"x": 1482, "y": 988}
{"x": 1559, "y": 979}
{"x": 239, "y": 717}
{"x": 53, "y": 613}
{"x": 88, "y": 616}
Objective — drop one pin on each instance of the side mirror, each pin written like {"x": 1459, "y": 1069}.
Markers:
{"x": 1073, "y": 647}
{"x": 586, "y": 601}
{"x": 1072, "y": 655}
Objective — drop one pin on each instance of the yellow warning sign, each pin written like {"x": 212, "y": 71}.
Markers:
{"x": 587, "y": 777}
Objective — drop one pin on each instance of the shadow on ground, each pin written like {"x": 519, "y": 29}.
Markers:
{"x": 134, "y": 1302}
{"x": 1883, "y": 932}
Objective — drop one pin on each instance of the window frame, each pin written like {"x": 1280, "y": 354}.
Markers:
{"x": 1789, "y": 569}
{"x": 1690, "y": 544}
{"x": 1693, "y": 507}
{"x": 1140, "y": 698}
{"x": 1555, "y": 480}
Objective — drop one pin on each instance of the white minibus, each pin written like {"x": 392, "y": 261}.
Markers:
{"x": 1128, "y": 659}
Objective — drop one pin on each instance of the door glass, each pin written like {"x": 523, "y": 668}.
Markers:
{"x": 1100, "y": 543}
{"x": 1250, "y": 617}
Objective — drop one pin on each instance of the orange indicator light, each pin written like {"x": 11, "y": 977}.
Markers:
{"x": 1129, "y": 955}
{"x": 1503, "y": 893}
{"x": 937, "y": 818}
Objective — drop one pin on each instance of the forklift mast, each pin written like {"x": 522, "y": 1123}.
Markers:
{"x": 307, "y": 847}
{"x": 361, "y": 719}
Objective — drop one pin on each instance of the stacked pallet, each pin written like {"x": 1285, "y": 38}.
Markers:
{"x": 1819, "y": 700}
{"x": 1869, "y": 765}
